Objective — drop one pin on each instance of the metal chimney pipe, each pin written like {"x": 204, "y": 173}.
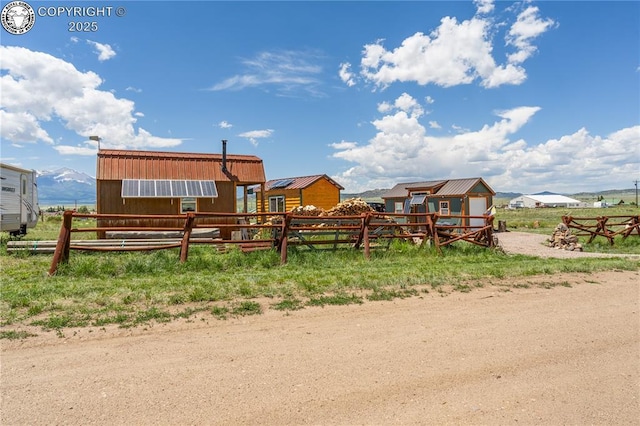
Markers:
{"x": 224, "y": 155}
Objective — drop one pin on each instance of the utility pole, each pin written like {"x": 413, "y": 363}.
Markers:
{"x": 635, "y": 182}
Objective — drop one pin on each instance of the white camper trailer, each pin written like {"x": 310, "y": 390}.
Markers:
{"x": 18, "y": 200}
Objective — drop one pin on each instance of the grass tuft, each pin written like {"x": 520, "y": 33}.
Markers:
{"x": 15, "y": 334}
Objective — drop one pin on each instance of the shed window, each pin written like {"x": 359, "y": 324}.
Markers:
{"x": 276, "y": 204}
{"x": 398, "y": 207}
{"x": 188, "y": 204}
{"x": 444, "y": 208}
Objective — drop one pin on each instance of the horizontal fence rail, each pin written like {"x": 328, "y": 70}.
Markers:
{"x": 604, "y": 226}
{"x": 256, "y": 231}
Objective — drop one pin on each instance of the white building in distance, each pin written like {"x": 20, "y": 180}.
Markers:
{"x": 544, "y": 200}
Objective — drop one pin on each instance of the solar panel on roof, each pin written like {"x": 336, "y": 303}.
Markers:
{"x": 147, "y": 188}
{"x": 130, "y": 188}
{"x": 178, "y": 188}
{"x": 163, "y": 188}
{"x": 193, "y": 188}
{"x": 281, "y": 183}
{"x": 209, "y": 188}
{"x": 150, "y": 188}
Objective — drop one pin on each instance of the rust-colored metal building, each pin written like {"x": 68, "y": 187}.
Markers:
{"x": 152, "y": 182}
{"x": 285, "y": 194}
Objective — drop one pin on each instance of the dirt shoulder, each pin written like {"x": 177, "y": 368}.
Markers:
{"x": 547, "y": 354}
{"x": 531, "y": 244}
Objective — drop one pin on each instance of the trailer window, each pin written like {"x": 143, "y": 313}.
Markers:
{"x": 24, "y": 185}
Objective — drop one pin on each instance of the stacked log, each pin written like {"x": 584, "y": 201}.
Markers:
{"x": 350, "y": 207}
{"x": 309, "y": 210}
{"x": 562, "y": 239}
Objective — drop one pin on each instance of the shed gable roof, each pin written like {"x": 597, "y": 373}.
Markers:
{"x": 448, "y": 187}
{"x": 401, "y": 190}
{"x": 131, "y": 164}
{"x": 462, "y": 186}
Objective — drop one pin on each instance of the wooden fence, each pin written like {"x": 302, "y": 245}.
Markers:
{"x": 278, "y": 230}
{"x": 604, "y": 226}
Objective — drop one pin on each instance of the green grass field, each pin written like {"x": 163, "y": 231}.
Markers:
{"x": 132, "y": 289}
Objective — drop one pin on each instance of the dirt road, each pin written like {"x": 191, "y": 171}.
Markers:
{"x": 561, "y": 355}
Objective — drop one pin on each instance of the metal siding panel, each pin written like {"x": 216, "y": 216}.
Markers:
{"x": 121, "y": 164}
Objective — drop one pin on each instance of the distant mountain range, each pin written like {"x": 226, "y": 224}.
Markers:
{"x": 66, "y": 187}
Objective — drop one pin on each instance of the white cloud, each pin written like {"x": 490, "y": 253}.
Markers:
{"x": 527, "y": 27}
{"x": 434, "y": 125}
{"x": 384, "y": 107}
{"x": 76, "y": 150}
{"x": 343, "y": 145}
{"x": 104, "y": 51}
{"x": 254, "y": 135}
{"x": 22, "y": 127}
{"x": 289, "y": 72}
{"x": 484, "y": 6}
{"x": 401, "y": 150}
{"x": 37, "y": 87}
{"x": 454, "y": 53}
{"x": 346, "y": 75}
{"x": 225, "y": 125}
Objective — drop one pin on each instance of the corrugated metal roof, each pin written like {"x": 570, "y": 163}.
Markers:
{"x": 457, "y": 186}
{"x": 552, "y": 199}
{"x": 401, "y": 190}
{"x": 130, "y": 164}
{"x": 301, "y": 182}
{"x": 447, "y": 187}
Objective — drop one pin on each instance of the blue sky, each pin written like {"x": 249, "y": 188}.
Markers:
{"x": 531, "y": 96}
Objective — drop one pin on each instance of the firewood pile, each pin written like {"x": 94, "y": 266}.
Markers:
{"x": 350, "y": 207}
{"x": 308, "y": 211}
{"x": 562, "y": 239}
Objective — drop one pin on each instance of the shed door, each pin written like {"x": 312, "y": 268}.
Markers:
{"x": 477, "y": 206}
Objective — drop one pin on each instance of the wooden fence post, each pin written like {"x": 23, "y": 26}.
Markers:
{"x": 634, "y": 224}
{"x": 432, "y": 220}
{"x": 184, "y": 246}
{"x": 283, "y": 238}
{"x": 64, "y": 241}
{"x": 365, "y": 235}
